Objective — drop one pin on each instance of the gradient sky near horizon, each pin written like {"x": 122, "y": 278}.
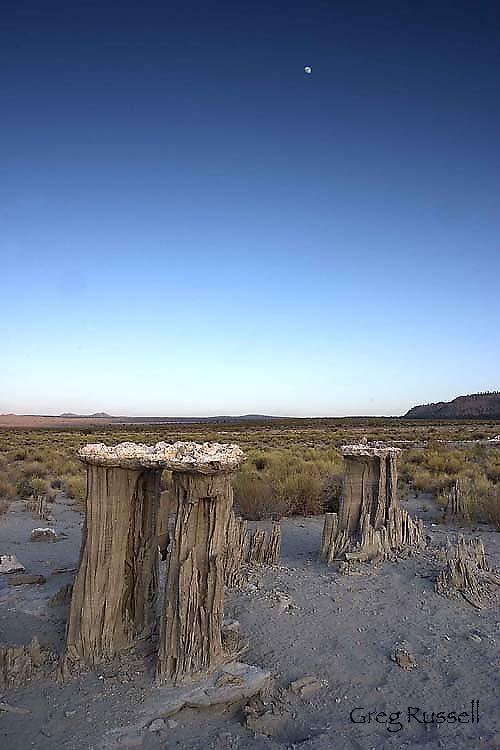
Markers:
{"x": 191, "y": 225}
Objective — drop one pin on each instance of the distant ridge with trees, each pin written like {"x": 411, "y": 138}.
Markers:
{"x": 484, "y": 405}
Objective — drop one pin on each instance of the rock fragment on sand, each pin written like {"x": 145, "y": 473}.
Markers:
{"x": 26, "y": 578}
{"x": 10, "y": 564}
{"x": 7, "y": 708}
{"x": 157, "y": 725}
{"x": 475, "y": 637}
{"x": 404, "y": 659}
{"x": 62, "y": 596}
{"x": 232, "y": 683}
{"x": 307, "y": 686}
{"x": 43, "y": 535}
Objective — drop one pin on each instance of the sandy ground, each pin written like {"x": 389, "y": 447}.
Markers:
{"x": 302, "y": 619}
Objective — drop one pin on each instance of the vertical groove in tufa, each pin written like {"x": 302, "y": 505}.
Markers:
{"x": 236, "y": 550}
{"x": 263, "y": 551}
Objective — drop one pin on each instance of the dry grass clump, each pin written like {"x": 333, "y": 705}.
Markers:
{"x": 7, "y": 493}
{"x": 436, "y": 469}
{"x": 479, "y": 499}
{"x": 489, "y": 506}
{"x": 285, "y": 482}
{"x": 75, "y": 487}
{"x": 293, "y": 466}
{"x": 7, "y": 485}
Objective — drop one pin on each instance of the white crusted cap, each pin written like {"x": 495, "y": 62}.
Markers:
{"x": 365, "y": 449}
{"x": 204, "y": 458}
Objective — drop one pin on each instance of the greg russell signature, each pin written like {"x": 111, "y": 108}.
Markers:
{"x": 395, "y": 721}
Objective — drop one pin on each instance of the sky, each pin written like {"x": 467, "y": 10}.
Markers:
{"x": 192, "y": 225}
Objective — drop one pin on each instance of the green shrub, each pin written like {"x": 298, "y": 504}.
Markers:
{"x": 34, "y": 468}
{"x": 7, "y": 488}
{"x": 489, "y": 506}
{"x": 281, "y": 482}
{"x": 38, "y": 486}
{"x": 253, "y": 497}
{"x": 76, "y": 487}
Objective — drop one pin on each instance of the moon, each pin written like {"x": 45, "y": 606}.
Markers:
{"x": 308, "y": 69}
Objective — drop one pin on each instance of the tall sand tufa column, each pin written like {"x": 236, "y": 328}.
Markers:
{"x": 190, "y": 638}
{"x": 116, "y": 587}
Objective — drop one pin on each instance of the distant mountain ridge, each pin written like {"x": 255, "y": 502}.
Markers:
{"x": 96, "y": 415}
{"x": 217, "y": 419}
{"x": 473, "y": 406}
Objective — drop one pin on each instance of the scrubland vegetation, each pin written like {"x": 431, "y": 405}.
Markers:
{"x": 293, "y": 467}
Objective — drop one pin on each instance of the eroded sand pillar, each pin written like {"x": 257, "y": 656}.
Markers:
{"x": 116, "y": 587}
{"x": 369, "y": 486}
{"x": 370, "y": 522}
{"x": 190, "y": 639}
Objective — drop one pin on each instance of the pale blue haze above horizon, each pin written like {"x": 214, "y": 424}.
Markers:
{"x": 191, "y": 225}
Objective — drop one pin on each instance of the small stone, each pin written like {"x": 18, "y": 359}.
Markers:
{"x": 476, "y": 638}
{"x": 10, "y": 564}
{"x": 157, "y": 725}
{"x": 132, "y": 740}
{"x": 404, "y": 659}
{"x": 307, "y": 686}
{"x": 13, "y": 709}
{"x": 69, "y": 714}
{"x": 44, "y": 535}
{"x": 22, "y": 578}
{"x": 338, "y": 700}
{"x": 172, "y": 723}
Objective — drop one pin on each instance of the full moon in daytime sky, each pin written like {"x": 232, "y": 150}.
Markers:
{"x": 308, "y": 69}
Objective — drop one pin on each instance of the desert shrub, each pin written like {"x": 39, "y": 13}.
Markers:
{"x": 33, "y": 468}
{"x": 426, "y": 481}
{"x": 489, "y": 506}
{"x": 332, "y": 493}
{"x": 7, "y": 488}
{"x": 435, "y": 469}
{"x": 492, "y": 467}
{"x": 293, "y": 466}
{"x": 76, "y": 487}
{"x": 254, "y": 498}
{"x": 299, "y": 492}
{"x": 38, "y": 486}
{"x": 32, "y": 485}
{"x": 282, "y": 482}
{"x": 260, "y": 463}
{"x": 17, "y": 455}
{"x": 480, "y": 499}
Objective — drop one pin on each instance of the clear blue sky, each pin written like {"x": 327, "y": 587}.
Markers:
{"x": 190, "y": 224}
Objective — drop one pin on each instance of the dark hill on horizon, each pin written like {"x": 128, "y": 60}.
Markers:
{"x": 473, "y": 406}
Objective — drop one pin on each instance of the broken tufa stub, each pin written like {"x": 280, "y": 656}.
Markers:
{"x": 370, "y": 524}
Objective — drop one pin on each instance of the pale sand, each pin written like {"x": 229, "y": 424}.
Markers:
{"x": 302, "y": 619}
